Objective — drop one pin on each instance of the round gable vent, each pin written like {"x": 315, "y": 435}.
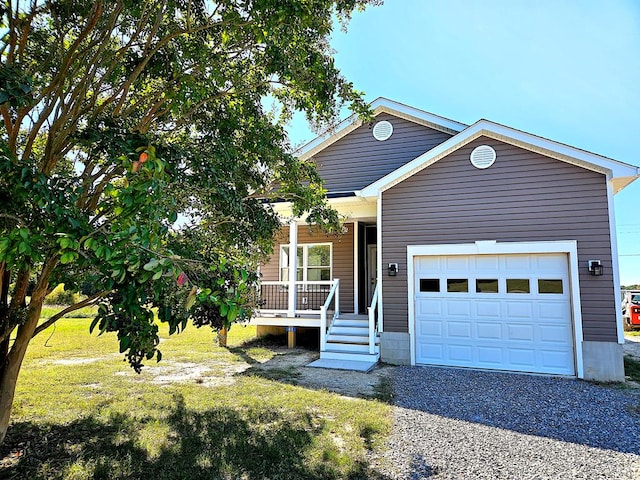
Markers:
{"x": 382, "y": 130}
{"x": 483, "y": 156}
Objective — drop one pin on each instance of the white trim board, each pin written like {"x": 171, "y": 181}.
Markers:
{"x": 569, "y": 247}
{"x": 378, "y": 106}
{"x": 621, "y": 173}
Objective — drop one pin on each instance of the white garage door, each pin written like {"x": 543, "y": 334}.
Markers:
{"x": 505, "y": 312}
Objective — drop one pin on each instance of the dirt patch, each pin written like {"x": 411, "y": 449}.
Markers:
{"x": 286, "y": 365}
{"x": 77, "y": 361}
{"x": 631, "y": 346}
{"x": 291, "y": 365}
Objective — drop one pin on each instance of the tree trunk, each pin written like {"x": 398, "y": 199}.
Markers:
{"x": 222, "y": 337}
{"x": 13, "y": 361}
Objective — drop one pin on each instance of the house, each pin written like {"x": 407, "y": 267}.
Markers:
{"x": 476, "y": 246}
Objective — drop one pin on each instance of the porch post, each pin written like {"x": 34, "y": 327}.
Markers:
{"x": 293, "y": 267}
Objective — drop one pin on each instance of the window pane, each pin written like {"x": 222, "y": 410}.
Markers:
{"x": 518, "y": 285}
{"x": 299, "y": 277}
{"x": 487, "y": 286}
{"x": 429, "y": 285}
{"x": 549, "y": 286}
{"x": 284, "y": 256}
{"x": 317, "y": 274}
{"x": 319, "y": 256}
{"x": 284, "y": 274}
{"x": 457, "y": 285}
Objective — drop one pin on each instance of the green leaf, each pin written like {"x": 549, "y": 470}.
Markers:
{"x": 233, "y": 313}
{"x": 151, "y": 265}
{"x": 125, "y": 343}
{"x": 68, "y": 257}
{"x": 24, "y": 247}
{"x": 94, "y": 322}
{"x": 157, "y": 275}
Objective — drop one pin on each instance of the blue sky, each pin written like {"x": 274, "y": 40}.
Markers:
{"x": 568, "y": 71}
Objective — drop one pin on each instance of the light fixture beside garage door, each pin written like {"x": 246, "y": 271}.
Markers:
{"x": 483, "y": 157}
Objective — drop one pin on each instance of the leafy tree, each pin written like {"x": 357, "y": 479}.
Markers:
{"x": 121, "y": 117}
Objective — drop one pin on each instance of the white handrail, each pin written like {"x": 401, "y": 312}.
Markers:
{"x": 323, "y": 313}
{"x": 372, "y": 321}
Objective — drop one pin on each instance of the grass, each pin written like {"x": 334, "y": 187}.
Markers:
{"x": 633, "y": 333}
{"x": 49, "y": 311}
{"x": 632, "y": 369}
{"x": 80, "y": 412}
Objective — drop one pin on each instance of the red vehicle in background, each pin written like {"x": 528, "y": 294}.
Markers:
{"x": 631, "y": 309}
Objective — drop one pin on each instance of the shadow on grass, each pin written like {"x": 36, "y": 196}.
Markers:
{"x": 217, "y": 443}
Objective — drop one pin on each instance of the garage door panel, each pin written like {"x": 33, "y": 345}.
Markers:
{"x": 517, "y": 263}
{"x": 488, "y": 309}
{"x": 461, "y": 354}
{"x": 519, "y": 310}
{"x": 521, "y": 357}
{"x": 490, "y": 357}
{"x": 429, "y": 306}
{"x": 555, "y": 334}
{"x": 430, "y": 328}
{"x": 459, "y": 329}
{"x": 484, "y": 328}
{"x": 487, "y": 263}
{"x": 457, "y": 264}
{"x": 556, "y": 359}
{"x": 520, "y": 332}
{"x": 428, "y": 264}
{"x": 431, "y": 352}
{"x": 553, "y": 311}
{"x": 489, "y": 331}
{"x": 458, "y": 308}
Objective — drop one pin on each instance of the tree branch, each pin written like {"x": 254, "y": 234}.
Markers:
{"x": 71, "y": 308}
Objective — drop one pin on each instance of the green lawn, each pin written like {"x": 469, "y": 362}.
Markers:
{"x": 80, "y": 412}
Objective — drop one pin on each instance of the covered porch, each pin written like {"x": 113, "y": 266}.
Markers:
{"x": 330, "y": 284}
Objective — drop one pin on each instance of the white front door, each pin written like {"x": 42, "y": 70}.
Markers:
{"x": 504, "y": 312}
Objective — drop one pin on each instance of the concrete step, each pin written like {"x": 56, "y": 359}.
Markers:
{"x": 355, "y": 365}
{"x": 356, "y": 357}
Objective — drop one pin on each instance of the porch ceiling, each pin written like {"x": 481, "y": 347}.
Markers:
{"x": 353, "y": 208}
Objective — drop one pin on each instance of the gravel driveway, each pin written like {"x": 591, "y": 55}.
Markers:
{"x": 464, "y": 424}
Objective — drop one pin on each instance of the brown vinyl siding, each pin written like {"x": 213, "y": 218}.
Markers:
{"x": 342, "y": 259}
{"x": 523, "y": 197}
{"x": 358, "y": 159}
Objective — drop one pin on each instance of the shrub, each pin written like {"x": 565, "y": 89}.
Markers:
{"x": 60, "y": 296}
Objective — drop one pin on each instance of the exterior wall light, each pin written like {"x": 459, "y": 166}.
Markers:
{"x": 595, "y": 268}
{"x": 393, "y": 269}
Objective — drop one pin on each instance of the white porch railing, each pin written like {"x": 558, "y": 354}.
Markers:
{"x": 373, "y": 324}
{"x": 309, "y": 297}
{"x": 334, "y": 295}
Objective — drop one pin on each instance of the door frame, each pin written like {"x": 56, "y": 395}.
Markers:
{"x": 372, "y": 263}
{"x": 569, "y": 247}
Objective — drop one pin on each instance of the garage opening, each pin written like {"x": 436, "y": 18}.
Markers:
{"x": 503, "y": 312}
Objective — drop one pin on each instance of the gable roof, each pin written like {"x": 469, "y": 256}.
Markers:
{"x": 378, "y": 106}
{"x": 620, "y": 173}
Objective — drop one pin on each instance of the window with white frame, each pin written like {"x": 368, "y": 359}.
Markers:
{"x": 313, "y": 264}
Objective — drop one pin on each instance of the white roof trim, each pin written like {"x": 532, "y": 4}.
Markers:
{"x": 597, "y": 163}
{"x": 378, "y": 106}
